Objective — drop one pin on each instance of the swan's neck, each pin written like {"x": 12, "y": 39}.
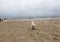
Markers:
{"x": 33, "y": 23}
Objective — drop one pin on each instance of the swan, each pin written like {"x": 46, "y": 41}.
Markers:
{"x": 33, "y": 25}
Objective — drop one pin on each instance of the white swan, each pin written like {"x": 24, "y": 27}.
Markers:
{"x": 33, "y": 25}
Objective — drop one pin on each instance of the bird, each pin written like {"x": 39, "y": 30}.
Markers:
{"x": 33, "y": 25}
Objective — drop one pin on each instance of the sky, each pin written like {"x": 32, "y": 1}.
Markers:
{"x": 29, "y": 8}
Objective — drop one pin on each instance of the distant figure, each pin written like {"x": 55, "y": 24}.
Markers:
{"x": 29, "y": 18}
{"x": 5, "y": 18}
{"x": 1, "y": 20}
{"x": 33, "y": 25}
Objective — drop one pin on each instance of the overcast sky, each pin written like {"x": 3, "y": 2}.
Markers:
{"x": 29, "y": 7}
